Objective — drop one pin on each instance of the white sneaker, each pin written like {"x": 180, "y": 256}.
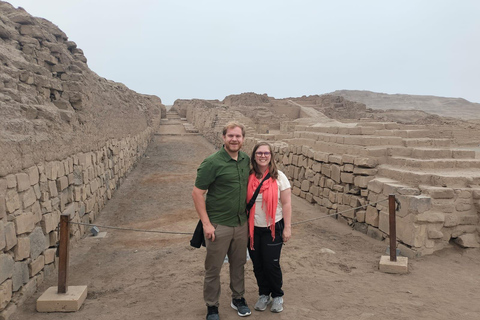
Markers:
{"x": 277, "y": 305}
{"x": 262, "y": 302}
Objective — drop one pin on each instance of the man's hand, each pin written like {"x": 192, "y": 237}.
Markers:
{"x": 198, "y": 196}
{"x": 209, "y": 232}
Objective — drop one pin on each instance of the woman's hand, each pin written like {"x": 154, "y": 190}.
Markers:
{"x": 287, "y": 233}
{"x": 286, "y": 199}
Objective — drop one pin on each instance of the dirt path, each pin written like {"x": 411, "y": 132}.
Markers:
{"x": 133, "y": 275}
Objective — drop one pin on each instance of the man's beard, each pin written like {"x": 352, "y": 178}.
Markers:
{"x": 233, "y": 147}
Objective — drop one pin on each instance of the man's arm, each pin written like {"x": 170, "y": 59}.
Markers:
{"x": 198, "y": 196}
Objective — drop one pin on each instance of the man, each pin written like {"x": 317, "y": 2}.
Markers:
{"x": 225, "y": 175}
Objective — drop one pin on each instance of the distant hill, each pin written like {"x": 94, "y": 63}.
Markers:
{"x": 445, "y": 107}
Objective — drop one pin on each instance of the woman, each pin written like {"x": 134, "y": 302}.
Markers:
{"x": 269, "y": 225}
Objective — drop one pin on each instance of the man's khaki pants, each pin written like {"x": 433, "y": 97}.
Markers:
{"x": 231, "y": 241}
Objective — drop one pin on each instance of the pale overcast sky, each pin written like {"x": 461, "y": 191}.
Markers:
{"x": 184, "y": 49}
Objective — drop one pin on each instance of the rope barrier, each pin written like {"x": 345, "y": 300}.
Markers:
{"x": 130, "y": 229}
{"x": 337, "y": 213}
{"x": 65, "y": 220}
{"x": 190, "y": 233}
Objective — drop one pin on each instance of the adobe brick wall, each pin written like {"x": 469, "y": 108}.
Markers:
{"x": 340, "y": 167}
{"x": 68, "y": 138}
{"x": 210, "y": 119}
{"x": 33, "y": 200}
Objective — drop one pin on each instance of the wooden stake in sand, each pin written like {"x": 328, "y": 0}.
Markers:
{"x": 62, "y": 298}
{"x": 63, "y": 253}
{"x": 393, "y": 227}
{"x": 394, "y": 264}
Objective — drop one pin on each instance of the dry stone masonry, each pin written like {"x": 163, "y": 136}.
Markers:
{"x": 341, "y": 166}
{"x": 209, "y": 119}
{"x": 68, "y": 138}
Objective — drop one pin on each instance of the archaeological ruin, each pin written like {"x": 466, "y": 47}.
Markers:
{"x": 354, "y": 161}
{"x": 69, "y": 138}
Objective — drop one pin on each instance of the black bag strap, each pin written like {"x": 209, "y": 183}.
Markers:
{"x": 255, "y": 194}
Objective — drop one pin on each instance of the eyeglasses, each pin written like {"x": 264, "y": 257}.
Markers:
{"x": 262, "y": 154}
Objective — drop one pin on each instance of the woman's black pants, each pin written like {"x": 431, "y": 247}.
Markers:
{"x": 266, "y": 260}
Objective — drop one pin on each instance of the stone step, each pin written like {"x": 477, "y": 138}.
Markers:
{"x": 388, "y": 186}
{"x": 451, "y": 178}
{"x": 178, "y": 134}
{"x": 273, "y": 136}
{"x": 379, "y": 125}
{"x": 450, "y": 193}
{"x": 402, "y": 133}
{"x": 381, "y": 151}
{"x": 427, "y": 142}
{"x": 170, "y": 122}
{"x": 371, "y": 140}
{"x": 189, "y": 128}
{"x": 431, "y": 153}
{"x": 358, "y": 140}
{"x": 350, "y": 130}
{"x": 434, "y": 163}
{"x": 454, "y": 200}
{"x": 412, "y": 133}
{"x": 328, "y": 147}
{"x": 359, "y": 130}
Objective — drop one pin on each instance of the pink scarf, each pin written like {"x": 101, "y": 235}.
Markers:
{"x": 269, "y": 191}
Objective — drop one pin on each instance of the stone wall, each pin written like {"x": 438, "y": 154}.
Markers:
{"x": 32, "y": 201}
{"x": 68, "y": 138}
{"x": 51, "y": 104}
{"x": 342, "y": 168}
{"x": 262, "y": 113}
{"x": 350, "y": 169}
{"x": 210, "y": 119}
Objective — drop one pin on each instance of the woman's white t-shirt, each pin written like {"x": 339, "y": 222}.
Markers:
{"x": 260, "y": 217}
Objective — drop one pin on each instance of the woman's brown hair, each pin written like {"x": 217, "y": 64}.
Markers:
{"x": 272, "y": 167}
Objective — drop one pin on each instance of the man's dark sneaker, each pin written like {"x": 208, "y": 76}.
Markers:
{"x": 212, "y": 313}
{"x": 241, "y": 306}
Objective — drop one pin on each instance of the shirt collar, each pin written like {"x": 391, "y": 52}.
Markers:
{"x": 227, "y": 157}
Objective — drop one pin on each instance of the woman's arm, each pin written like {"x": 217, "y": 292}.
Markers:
{"x": 286, "y": 200}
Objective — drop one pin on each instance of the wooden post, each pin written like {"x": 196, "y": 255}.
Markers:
{"x": 63, "y": 253}
{"x": 393, "y": 228}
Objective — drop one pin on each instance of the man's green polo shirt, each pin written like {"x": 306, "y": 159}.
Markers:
{"x": 226, "y": 181}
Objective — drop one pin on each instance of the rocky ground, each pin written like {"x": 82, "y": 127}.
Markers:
{"x": 159, "y": 276}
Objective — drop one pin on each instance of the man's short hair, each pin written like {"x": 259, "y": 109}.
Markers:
{"x": 233, "y": 124}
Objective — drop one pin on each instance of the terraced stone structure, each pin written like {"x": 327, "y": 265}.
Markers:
{"x": 68, "y": 138}
{"x": 341, "y": 166}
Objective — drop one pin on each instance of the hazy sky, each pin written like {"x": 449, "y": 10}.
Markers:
{"x": 208, "y": 49}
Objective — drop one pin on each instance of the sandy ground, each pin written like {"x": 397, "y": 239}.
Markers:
{"x": 139, "y": 275}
